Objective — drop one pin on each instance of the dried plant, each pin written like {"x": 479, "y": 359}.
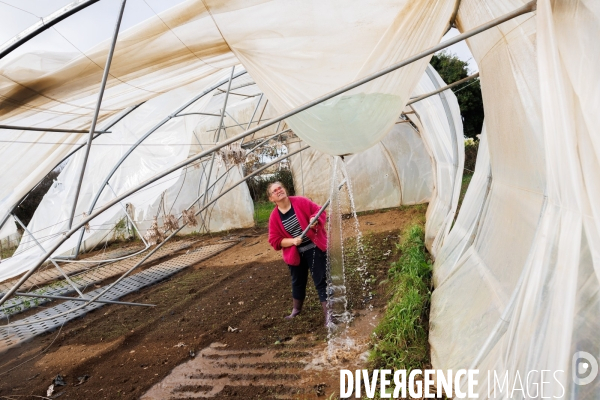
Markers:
{"x": 170, "y": 223}
{"x": 197, "y": 164}
{"x": 87, "y": 225}
{"x": 233, "y": 154}
{"x": 189, "y": 217}
{"x": 154, "y": 234}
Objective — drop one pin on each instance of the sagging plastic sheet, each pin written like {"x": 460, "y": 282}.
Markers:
{"x": 412, "y": 166}
{"x": 522, "y": 294}
{"x": 404, "y": 171}
{"x": 299, "y": 50}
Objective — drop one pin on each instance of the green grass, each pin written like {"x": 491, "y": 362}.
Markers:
{"x": 6, "y": 253}
{"x": 400, "y": 340}
{"x": 466, "y": 180}
{"x": 262, "y": 211}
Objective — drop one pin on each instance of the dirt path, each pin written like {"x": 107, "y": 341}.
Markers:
{"x": 224, "y": 316}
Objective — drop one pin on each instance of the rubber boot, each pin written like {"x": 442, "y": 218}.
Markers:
{"x": 327, "y": 313}
{"x": 297, "y": 307}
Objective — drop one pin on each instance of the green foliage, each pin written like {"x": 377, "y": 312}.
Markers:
{"x": 401, "y": 337}
{"x": 262, "y": 211}
{"x": 471, "y": 148}
{"x": 452, "y": 69}
{"x": 7, "y": 252}
{"x": 466, "y": 180}
{"x": 258, "y": 185}
{"x": 121, "y": 229}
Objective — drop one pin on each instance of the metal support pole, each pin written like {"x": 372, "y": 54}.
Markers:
{"x": 198, "y": 113}
{"x": 520, "y": 11}
{"x": 212, "y": 160}
{"x": 255, "y": 110}
{"x": 279, "y": 159}
{"x": 234, "y": 121}
{"x": 426, "y": 95}
{"x": 37, "y": 129}
{"x": 46, "y": 296}
{"x": 105, "y": 130}
{"x": 230, "y": 168}
{"x": 26, "y": 276}
{"x": 97, "y": 110}
{"x": 140, "y": 140}
{"x": 51, "y": 260}
{"x": 317, "y": 215}
{"x": 44, "y": 24}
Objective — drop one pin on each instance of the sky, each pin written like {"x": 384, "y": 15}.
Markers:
{"x": 96, "y": 23}
{"x": 81, "y": 31}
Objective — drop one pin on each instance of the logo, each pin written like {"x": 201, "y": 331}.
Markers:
{"x": 585, "y": 368}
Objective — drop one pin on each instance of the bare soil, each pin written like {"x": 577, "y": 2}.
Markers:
{"x": 235, "y": 301}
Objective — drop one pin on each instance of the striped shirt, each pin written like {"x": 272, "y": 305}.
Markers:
{"x": 292, "y": 226}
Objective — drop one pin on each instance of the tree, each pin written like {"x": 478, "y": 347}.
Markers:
{"x": 452, "y": 69}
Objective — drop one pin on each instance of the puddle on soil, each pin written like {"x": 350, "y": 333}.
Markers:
{"x": 215, "y": 368}
{"x": 350, "y": 351}
{"x": 290, "y": 372}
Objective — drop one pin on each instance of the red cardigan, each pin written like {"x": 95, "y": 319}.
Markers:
{"x": 305, "y": 210}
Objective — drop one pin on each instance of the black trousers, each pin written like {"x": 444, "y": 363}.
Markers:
{"x": 315, "y": 261}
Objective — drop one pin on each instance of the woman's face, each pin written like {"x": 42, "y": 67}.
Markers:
{"x": 277, "y": 193}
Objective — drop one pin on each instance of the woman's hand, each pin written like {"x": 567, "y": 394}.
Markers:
{"x": 314, "y": 221}
{"x": 289, "y": 242}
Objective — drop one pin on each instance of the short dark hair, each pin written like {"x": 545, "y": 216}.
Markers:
{"x": 274, "y": 183}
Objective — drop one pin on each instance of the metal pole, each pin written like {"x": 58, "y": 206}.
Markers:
{"x": 46, "y": 296}
{"x": 37, "y": 129}
{"x": 255, "y": 110}
{"x": 105, "y": 130}
{"x": 265, "y": 140}
{"x": 317, "y": 215}
{"x": 44, "y": 24}
{"x": 426, "y": 95}
{"x": 230, "y": 168}
{"x": 97, "y": 110}
{"x": 234, "y": 121}
{"x": 212, "y": 160}
{"x": 198, "y": 113}
{"x": 28, "y": 274}
{"x": 140, "y": 140}
{"x": 51, "y": 260}
{"x": 520, "y": 11}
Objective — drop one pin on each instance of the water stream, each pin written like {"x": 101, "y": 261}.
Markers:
{"x": 341, "y": 204}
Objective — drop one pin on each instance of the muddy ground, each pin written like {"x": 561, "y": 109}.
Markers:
{"x": 223, "y": 308}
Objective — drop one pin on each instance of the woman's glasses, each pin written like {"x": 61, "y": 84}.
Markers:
{"x": 277, "y": 190}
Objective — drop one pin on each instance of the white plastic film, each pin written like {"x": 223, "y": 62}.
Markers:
{"x": 41, "y": 88}
{"x": 439, "y": 121}
{"x": 522, "y": 296}
{"x": 167, "y": 146}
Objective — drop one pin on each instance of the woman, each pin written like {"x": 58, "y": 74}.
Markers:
{"x": 288, "y": 220}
